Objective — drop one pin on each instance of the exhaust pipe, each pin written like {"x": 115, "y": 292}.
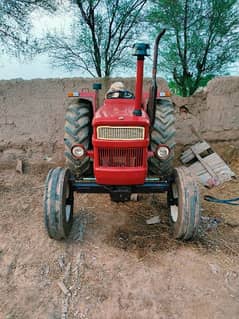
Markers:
{"x": 153, "y": 87}
{"x": 140, "y": 50}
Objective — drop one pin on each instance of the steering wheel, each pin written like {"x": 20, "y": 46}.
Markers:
{"x": 120, "y": 95}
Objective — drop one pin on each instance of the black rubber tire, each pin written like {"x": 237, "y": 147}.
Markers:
{"x": 78, "y": 130}
{"x": 58, "y": 203}
{"x": 184, "y": 204}
{"x": 162, "y": 132}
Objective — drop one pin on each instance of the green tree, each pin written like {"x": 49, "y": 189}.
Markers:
{"x": 15, "y": 22}
{"x": 99, "y": 37}
{"x": 201, "y": 38}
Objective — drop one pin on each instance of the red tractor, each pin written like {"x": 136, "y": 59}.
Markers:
{"x": 125, "y": 146}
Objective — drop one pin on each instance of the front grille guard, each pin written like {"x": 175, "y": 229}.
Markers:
{"x": 121, "y": 157}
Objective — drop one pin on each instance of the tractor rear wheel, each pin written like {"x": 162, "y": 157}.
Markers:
{"x": 162, "y": 132}
{"x": 78, "y": 131}
{"x": 184, "y": 204}
{"x": 58, "y": 203}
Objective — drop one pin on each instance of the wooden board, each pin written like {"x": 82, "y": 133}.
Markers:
{"x": 210, "y": 169}
{"x": 198, "y": 148}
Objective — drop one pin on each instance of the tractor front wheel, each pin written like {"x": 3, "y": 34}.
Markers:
{"x": 184, "y": 204}
{"x": 58, "y": 203}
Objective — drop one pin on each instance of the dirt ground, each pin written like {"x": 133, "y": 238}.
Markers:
{"x": 114, "y": 265}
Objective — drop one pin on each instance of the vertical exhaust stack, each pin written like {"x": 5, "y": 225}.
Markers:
{"x": 140, "y": 50}
{"x": 153, "y": 87}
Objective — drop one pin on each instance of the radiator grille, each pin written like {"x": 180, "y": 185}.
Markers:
{"x": 120, "y": 133}
{"x": 121, "y": 157}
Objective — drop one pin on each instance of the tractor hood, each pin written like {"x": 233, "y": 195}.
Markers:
{"x": 119, "y": 112}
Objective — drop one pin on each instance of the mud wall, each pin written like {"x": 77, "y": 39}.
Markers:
{"x": 212, "y": 111}
{"x": 32, "y": 112}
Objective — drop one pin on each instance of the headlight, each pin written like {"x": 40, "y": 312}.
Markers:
{"x": 78, "y": 151}
{"x": 162, "y": 152}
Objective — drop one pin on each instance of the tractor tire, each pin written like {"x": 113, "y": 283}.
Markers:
{"x": 78, "y": 130}
{"x": 184, "y": 204}
{"x": 58, "y": 203}
{"x": 162, "y": 132}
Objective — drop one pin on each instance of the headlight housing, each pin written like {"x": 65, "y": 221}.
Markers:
{"x": 162, "y": 152}
{"x": 78, "y": 151}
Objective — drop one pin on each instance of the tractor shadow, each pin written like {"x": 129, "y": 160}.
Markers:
{"x": 138, "y": 237}
{"x": 135, "y": 236}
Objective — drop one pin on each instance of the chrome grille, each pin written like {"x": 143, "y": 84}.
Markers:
{"x": 120, "y": 157}
{"x": 120, "y": 133}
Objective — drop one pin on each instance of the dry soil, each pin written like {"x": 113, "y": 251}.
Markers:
{"x": 114, "y": 266}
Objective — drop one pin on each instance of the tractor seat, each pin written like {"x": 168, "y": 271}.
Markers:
{"x": 120, "y": 94}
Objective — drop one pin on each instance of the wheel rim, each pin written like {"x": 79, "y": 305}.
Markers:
{"x": 174, "y": 208}
{"x": 174, "y": 213}
{"x": 68, "y": 213}
{"x": 68, "y": 206}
